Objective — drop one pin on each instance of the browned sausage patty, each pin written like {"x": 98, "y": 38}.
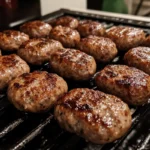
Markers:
{"x": 98, "y": 117}
{"x": 73, "y": 64}
{"x": 36, "y": 29}
{"x": 128, "y": 83}
{"x": 102, "y": 49}
{"x": 147, "y": 41}
{"x": 66, "y": 21}
{"x": 89, "y": 27}
{"x": 67, "y": 36}
{"x": 11, "y": 40}
{"x": 126, "y": 37}
{"x": 11, "y": 66}
{"x": 139, "y": 57}
{"x": 38, "y": 51}
{"x": 36, "y": 91}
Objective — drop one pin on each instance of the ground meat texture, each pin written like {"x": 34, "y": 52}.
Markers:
{"x": 66, "y": 21}
{"x": 36, "y": 29}
{"x": 37, "y": 91}
{"x": 11, "y": 66}
{"x": 102, "y": 49}
{"x": 10, "y": 40}
{"x": 139, "y": 57}
{"x": 128, "y": 83}
{"x": 73, "y": 64}
{"x": 126, "y": 37}
{"x": 147, "y": 41}
{"x": 67, "y": 36}
{"x": 38, "y": 51}
{"x": 89, "y": 27}
{"x": 98, "y": 117}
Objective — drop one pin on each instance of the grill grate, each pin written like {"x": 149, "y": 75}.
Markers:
{"x": 41, "y": 132}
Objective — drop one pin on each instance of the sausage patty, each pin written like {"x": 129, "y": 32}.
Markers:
{"x": 102, "y": 49}
{"x": 37, "y": 91}
{"x": 139, "y": 57}
{"x": 67, "y": 36}
{"x": 89, "y": 27}
{"x": 128, "y": 83}
{"x": 11, "y": 66}
{"x": 10, "y": 40}
{"x": 126, "y": 37}
{"x": 147, "y": 41}
{"x": 66, "y": 21}
{"x": 74, "y": 64}
{"x": 38, "y": 51}
{"x": 36, "y": 29}
{"x": 98, "y": 117}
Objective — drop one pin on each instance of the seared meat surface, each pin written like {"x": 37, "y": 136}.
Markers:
{"x": 101, "y": 48}
{"x": 128, "y": 83}
{"x": 10, "y": 40}
{"x": 139, "y": 57}
{"x": 98, "y": 117}
{"x": 147, "y": 41}
{"x": 38, "y": 51}
{"x": 73, "y": 64}
{"x": 126, "y": 37}
{"x": 36, "y": 29}
{"x": 11, "y": 66}
{"x": 37, "y": 91}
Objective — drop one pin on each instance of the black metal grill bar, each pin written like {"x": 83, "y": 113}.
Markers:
{"x": 32, "y": 134}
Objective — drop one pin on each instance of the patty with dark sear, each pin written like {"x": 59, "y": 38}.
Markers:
{"x": 10, "y": 40}
{"x": 37, "y": 91}
{"x": 36, "y": 29}
{"x": 89, "y": 27}
{"x": 38, "y": 51}
{"x": 98, "y": 117}
{"x": 101, "y": 48}
{"x": 66, "y": 21}
{"x": 130, "y": 84}
{"x": 147, "y": 41}
{"x": 126, "y": 37}
{"x": 73, "y": 64}
{"x": 139, "y": 57}
{"x": 11, "y": 66}
{"x": 67, "y": 36}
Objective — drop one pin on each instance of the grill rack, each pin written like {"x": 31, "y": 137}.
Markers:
{"x": 41, "y": 132}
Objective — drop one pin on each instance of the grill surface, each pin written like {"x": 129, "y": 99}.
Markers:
{"x": 41, "y": 132}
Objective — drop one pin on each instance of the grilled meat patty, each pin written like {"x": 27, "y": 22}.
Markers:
{"x": 139, "y": 57}
{"x": 66, "y": 21}
{"x": 10, "y": 40}
{"x": 37, "y": 91}
{"x": 67, "y": 36}
{"x": 0, "y": 53}
{"x": 73, "y": 64}
{"x": 98, "y": 117}
{"x": 102, "y": 49}
{"x": 89, "y": 27}
{"x": 11, "y": 66}
{"x": 38, "y": 51}
{"x": 128, "y": 83}
{"x": 36, "y": 29}
{"x": 126, "y": 37}
{"x": 147, "y": 41}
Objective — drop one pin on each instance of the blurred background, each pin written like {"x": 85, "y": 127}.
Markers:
{"x": 14, "y": 12}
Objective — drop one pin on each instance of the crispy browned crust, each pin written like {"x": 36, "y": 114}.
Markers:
{"x": 102, "y": 49}
{"x": 139, "y": 57}
{"x": 11, "y": 66}
{"x": 128, "y": 83}
{"x": 66, "y": 21}
{"x": 89, "y": 27}
{"x": 147, "y": 41}
{"x": 37, "y": 91}
{"x": 73, "y": 64}
{"x": 67, "y": 36}
{"x": 36, "y": 29}
{"x": 10, "y": 40}
{"x": 126, "y": 37}
{"x": 38, "y": 51}
{"x": 96, "y": 116}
